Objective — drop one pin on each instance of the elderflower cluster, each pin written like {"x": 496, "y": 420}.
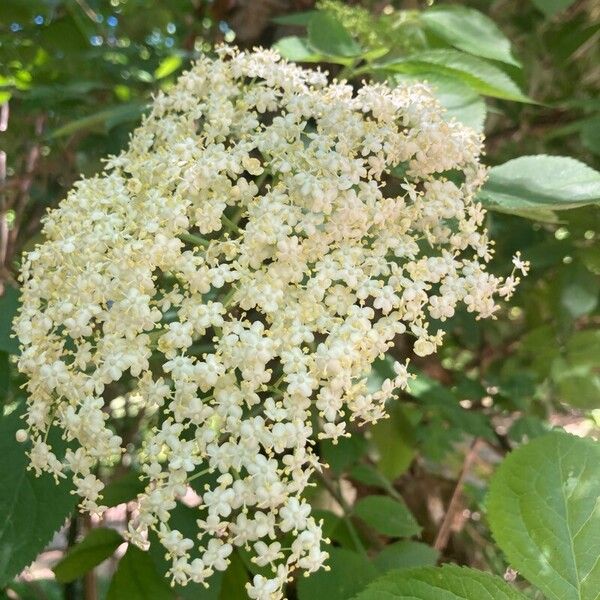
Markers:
{"x": 263, "y": 239}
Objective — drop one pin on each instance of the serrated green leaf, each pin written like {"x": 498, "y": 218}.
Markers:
{"x": 96, "y": 547}
{"x": 388, "y": 516}
{"x": 449, "y": 582}
{"x": 31, "y": 508}
{"x": 136, "y": 578}
{"x": 328, "y": 36}
{"x": 405, "y": 554}
{"x": 540, "y": 181}
{"x": 469, "y": 30}
{"x": 544, "y": 513}
{"x": 483, "y": 77}
{"x": 350, "y": 573}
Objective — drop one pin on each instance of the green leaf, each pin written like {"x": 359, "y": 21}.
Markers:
{"x": 301, "y": 19}
{"x": 482, "y": 76}
{"x": 444, "y": 402}
{"x": 459, "y": 100}
{"x": 62, "y": 93}
{"x": 9, "y": 302}
{"x": 449, "y": 582}
{"x": 4, "y": 376}
{"x": 577, "y": 385}
{"x": 350, "y": 573}
{"x": 167, "y": 66}
{"x": 368, "y": 476}
{"x": 335, "y": 528}
{"x": 297, "y": 49}
{"x": 544, "y": 513}
{"x": 136, "y": 578}
{"x": 234, "y": 582}
{"x": 575, "y": 370}
{"x": 541, "y": 181}
{"x": 96, "y": 547}
{"x": 327, "y": 35}
{"x": 103, "y": 120}
{"x": 405, "y": 554}
{"x": 551, "y": 7}
{"x": 31, "y": 508}
{"x": 590, "y": 135}
{"x": 388, "y": 516}
{"x": 526, "y": 428}
{"x": 36, "y": 589}
{"x": 469, "y": 30}
{"x": 183, "y": 518}
{"x": 123, "y": 489}
{"x": 584, "y": 347}
{"x": 395, "y": 443}
{"x": 579, "y": 293}
{"x": 343, "y": 454}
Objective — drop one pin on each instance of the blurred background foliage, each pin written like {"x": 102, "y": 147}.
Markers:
{"x": 75, "y": 77}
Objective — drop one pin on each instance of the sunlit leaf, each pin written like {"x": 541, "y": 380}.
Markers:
{"x": 540, "y": 182}
{"x": 544, "y": 513}
{"x": 449, "y": 582}
{"x": 469, "y": 30}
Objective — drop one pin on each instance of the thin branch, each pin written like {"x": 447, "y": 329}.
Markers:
{"x": 443, "y": 535}
{"x": 19, "y": 200}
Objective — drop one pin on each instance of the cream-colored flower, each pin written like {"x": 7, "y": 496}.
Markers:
{"x": 243, "y": 263}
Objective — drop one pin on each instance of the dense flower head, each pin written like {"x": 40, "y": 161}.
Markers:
{"x": 237, "y": 269}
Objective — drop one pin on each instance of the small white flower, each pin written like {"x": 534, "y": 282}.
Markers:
{"x": 234, "y": 305}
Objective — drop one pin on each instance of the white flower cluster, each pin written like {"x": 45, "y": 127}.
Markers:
{"x": 240, "y": 267}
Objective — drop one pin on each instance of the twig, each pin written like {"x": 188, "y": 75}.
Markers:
{"x": 17, "y": 202}
{"x": 443, "y": 535}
